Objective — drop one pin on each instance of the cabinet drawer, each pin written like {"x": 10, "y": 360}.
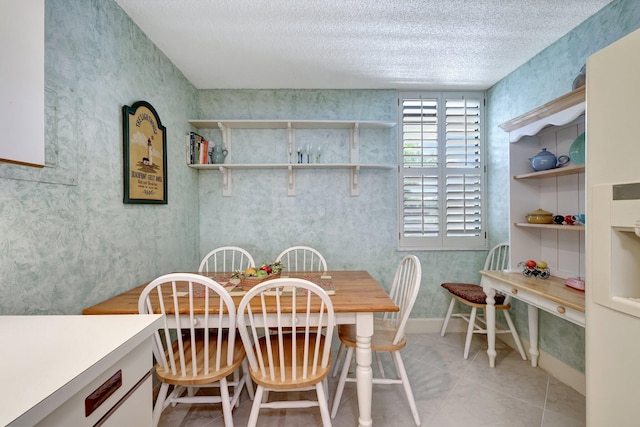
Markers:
{"x": 107, "y": 390}
{"x": 561, "y": 311}
{"x": 131, "y": 412}
{"x": 540, "y": 302}
{"x": 516, "y": 293}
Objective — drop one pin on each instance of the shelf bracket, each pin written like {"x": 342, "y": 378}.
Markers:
{"x": 355, "y": 136}
{"x": 226, "y": 137}
{"x": 291, "y": 181}
{"x": 226, "y": 181}
{"x": 354, "y": 180}
{"x": 290, "y": 139}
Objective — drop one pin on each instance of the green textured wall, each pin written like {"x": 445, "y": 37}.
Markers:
{"x": 67, "y": 240}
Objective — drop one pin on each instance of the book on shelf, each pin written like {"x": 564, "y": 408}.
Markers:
{"x": 198, "y": 149}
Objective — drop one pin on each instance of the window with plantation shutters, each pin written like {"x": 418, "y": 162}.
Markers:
{"x": 442, "y": 173}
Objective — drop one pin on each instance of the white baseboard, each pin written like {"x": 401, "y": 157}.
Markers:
{"x": 428, "y": 326}
{"x": 563, "y": 372}
{"x": 550, "y": 364}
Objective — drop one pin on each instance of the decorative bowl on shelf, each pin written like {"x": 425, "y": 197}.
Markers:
{"x": 540, "y": 216}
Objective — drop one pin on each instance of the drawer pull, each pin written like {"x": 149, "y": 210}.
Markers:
{"x": 514, "y": 291}
{"x": 102, "y": 393}
{"x": 560, "y": 309}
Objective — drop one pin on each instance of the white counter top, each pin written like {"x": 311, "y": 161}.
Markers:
{"x": 45, "y": 359}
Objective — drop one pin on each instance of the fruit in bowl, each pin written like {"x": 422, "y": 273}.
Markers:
{"x": 264, "y": 270}
{"x": 252, "y": 276}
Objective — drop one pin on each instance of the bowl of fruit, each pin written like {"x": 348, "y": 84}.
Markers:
{"x": 253, "y": 276}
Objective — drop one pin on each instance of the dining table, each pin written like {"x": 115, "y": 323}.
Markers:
{"x": 356, "y": 297}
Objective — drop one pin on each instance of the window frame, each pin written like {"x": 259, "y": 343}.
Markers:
{"x": 442, "y": 241}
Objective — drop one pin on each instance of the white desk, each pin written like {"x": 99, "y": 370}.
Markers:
{"x": 550, "y": 295}
{"x": 52, "y": 364}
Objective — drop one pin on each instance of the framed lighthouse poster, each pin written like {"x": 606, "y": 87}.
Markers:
{"x": 145, "y": 155}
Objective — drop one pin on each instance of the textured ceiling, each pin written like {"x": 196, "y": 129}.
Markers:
{"x": 354, "y": 44}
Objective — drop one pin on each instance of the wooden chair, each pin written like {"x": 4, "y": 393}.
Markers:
{"x": 289, "y": 351}
{"x": 472, "y": 295}
{"x": 226, "y": 258}
{"x": 202, "y": 353}
{"x": 302, "y": 258}
{"x": 388, "y": 334}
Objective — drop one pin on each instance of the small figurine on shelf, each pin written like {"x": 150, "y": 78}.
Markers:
{"x": 535, "y": 269}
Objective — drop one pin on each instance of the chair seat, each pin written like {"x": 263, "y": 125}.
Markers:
{"x": 382, "y": 339}
{"x": 471, "y": 293}
{"x": 299, "y": 382}
{"x": 201, "y": 378}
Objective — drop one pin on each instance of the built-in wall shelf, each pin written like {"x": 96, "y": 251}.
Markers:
{"x": 558, "y": 112}
{"x": 293, "y": 164}
{"x": 554, "y": 126}
{"x": 563, "y": 171}
{"x": 550, "y": 226}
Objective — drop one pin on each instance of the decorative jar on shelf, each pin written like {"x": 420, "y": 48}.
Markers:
{"x": 218, "y": 154}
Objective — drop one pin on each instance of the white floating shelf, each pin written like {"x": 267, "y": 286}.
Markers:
{"x": 286, "y": 124}
{"x": 353, "y": 126}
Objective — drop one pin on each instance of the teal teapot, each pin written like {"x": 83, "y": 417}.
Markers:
{"x": 219, "y": 154}
{"x": 546, "y": 160}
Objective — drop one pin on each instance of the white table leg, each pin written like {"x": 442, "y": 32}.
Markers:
{"x": 533, "y": 334}
{"x": 490, "y": 314}
{"x": 364, "y": 374}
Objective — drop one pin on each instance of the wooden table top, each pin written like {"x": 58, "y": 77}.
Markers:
{"x": 552, "y": 288}
{"x": 356, "y": 292}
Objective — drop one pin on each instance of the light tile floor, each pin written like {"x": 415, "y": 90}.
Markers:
{"x": 449, "y": 392}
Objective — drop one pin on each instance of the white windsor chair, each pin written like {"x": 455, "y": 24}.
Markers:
{"x": 472, "y": 295}
{"x": 388, "y": 335}
{"x": 204, "y": 352}
{"x": 291, "y": 349}
{"x": 302, "y": 258}
{"x": 226, "y": 258}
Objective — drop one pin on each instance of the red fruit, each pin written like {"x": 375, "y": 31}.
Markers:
{"x": 530, "y": 263}
{"x": 266, "y": 268}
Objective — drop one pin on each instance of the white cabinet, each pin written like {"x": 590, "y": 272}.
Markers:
{"x": 77, "y": 370}
{"x": 554, "y": 126}
{"x": 22, "y": 84}
{"x": 286, "y": 155}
